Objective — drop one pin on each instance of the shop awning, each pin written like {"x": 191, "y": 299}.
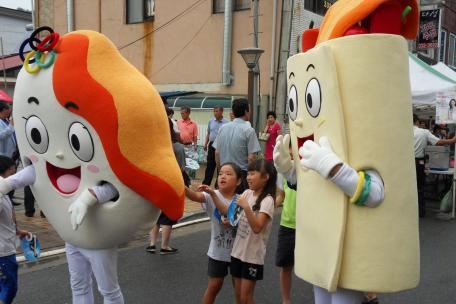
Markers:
{"x": 12, "y": 61}
{"x": 445, "y": 70}
{"x": 177, "y": 93}
{"x": 5, "y": 97}
{"x": 200, "y": 102}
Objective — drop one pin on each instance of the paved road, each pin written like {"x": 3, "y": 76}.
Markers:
{"x": 181, "y": 278}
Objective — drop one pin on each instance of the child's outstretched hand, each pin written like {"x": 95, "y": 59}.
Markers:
{"x": 207, "y": 189}
{"x": 241, "y": 201}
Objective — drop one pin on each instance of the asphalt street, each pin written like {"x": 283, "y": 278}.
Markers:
{"x": 181, "y": 278}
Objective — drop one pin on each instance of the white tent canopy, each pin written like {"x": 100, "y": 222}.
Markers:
{"x": 445, "y": 70}
{"x": 426, "y": 80}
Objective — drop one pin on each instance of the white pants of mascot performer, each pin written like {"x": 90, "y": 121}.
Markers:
{"x": 324, "y": 161}
{"x": 83, "y": 262}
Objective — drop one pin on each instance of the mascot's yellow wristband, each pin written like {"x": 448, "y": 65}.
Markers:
{"x": 27, "y": 66}
{"x": 359, "y": 187}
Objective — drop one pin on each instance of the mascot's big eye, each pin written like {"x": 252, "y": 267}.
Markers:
{"x": 36, "y": 134}
{"x": 293, "y": 103}
{"x": 313, "y": 97}
{"x": 81, "y": 142}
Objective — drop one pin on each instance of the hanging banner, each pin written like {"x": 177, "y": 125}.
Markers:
{"x": 428, "y": 37}
{"x": 446, "y": 107}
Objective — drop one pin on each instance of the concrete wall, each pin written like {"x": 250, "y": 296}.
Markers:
{"x": 296, "y": 19}
{"x": 449, "y": 16}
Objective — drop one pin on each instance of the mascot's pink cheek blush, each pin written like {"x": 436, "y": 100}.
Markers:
{"x": 93, "y": 168}
{"x": 33, "y": 158}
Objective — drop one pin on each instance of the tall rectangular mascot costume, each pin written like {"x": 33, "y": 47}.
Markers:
{"x": 351, "y": 131}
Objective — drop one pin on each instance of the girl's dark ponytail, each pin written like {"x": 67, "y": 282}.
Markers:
{"x": 264, "y": 167}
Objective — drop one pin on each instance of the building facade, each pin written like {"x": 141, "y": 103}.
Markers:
{"x": 448, "y": 34}
{"x": 445, "y": 51}
{"x": 179, "y": 47}
{"x": 15, "y": 26}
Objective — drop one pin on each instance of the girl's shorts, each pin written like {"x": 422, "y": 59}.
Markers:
{"x": 248, "y": 271}
{"x": 217, "y": 269}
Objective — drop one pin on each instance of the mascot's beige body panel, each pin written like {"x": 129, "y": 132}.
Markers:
{"x": 366, "y": 114}
{"x": 314, "y": 216}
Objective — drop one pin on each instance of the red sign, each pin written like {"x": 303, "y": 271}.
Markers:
{"x": 428, "y": 37}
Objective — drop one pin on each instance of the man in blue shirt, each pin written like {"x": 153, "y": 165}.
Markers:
{"x": 237, "y": 141}
{"x": 7, "y": 140}
{"x": 212, "y": 130}
{"x": 8, "y": 145}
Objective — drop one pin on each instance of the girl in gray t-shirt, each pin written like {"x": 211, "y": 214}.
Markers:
{"x": 222, "y": 233}
{"x": 8, "y": 234}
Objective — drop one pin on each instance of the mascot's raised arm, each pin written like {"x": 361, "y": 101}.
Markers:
{"x": 350, "y": 109}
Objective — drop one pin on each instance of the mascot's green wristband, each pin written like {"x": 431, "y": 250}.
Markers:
{"x": 366, "y": 190}
{"x": 42, "y": 56}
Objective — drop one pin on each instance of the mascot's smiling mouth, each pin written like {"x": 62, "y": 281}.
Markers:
{"x": 64, "y": 180}
{"x": 302, "y": 140}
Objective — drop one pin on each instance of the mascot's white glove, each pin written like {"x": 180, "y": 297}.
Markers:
{"x": 320, "y": 158}
{"x": 281, "y": 154}
{"x": 78, "y": 209}
{"x": 5, "y": 187}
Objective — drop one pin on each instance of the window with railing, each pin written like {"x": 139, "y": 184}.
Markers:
{"x": 319, "y": 7}
{"x": 138, "y": 11}
{"x": 218, "y": 6}
{"x": 442, "y": 50}
{"x": 452, "y": 50}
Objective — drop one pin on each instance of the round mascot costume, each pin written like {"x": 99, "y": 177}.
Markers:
{"x": 350, "y": 115}
{"x": 95, "y": 142}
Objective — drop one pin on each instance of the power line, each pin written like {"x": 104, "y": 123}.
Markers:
{"x": 178, "y": 16}
{"x": 15, "y": 32}
{"x": 183, "y": 48}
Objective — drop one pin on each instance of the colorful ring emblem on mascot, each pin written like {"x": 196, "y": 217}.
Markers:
{"x": 42, "y": 49}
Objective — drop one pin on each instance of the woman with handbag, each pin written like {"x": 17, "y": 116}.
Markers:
{"x": 271, "y": 131}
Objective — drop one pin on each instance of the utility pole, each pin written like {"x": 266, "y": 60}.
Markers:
{"x": 255, "y": 23}
{"x": 3, "y": 62}
{"x": 33, "y": 13}
{"x": 256, "y": 70}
